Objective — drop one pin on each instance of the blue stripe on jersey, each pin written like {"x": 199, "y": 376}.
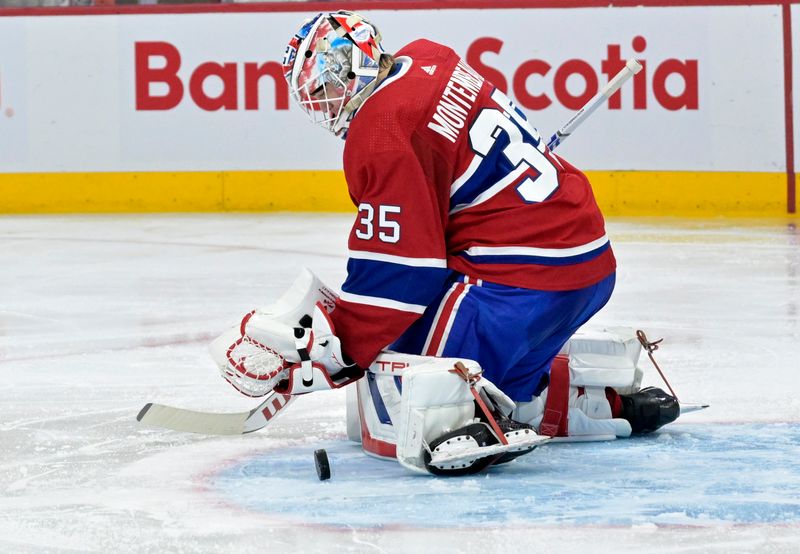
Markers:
{"x": 494, "y": 167}
{"x": 402, "y": 283}
{"x": 538, "y": 260}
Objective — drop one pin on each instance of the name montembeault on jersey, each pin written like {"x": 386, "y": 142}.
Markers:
{"x": 457, "y": 98}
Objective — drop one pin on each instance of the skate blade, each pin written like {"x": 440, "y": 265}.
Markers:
{"x": 689, "y": 408}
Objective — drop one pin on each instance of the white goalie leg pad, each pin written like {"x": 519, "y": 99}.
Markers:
{"x": 434, "y": 401}
{"x": 374, "y": 413}
{"x": 596, "y": 360}
{"x": 607, "y": 358}
{"x": 405, "y": 401}
{"x": 353, "y": 420}
{"x": 373, "y": 406}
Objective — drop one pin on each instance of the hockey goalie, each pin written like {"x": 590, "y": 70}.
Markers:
{"x": 434, "y": 414}
{"x": 476, "y": 255}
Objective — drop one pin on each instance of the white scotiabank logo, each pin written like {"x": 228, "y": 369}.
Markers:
{"x": 160, "y": 87}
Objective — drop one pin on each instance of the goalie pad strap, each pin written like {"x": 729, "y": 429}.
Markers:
{"x": 461, "y": 370}
{"x": 556, "y": 410}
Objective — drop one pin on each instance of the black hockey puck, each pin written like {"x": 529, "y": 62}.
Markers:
{"x": 323, "y": 466}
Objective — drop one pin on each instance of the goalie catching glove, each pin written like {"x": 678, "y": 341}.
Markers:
{"x": 290, "y": 346}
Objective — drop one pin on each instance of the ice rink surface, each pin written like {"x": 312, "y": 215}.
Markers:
{"x": 101, "y": 314}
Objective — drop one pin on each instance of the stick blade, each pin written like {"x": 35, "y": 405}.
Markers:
{"x": 190, "y": 421}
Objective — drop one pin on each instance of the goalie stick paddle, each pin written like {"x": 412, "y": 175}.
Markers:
{"x": 632, "y": 67}
{"x": 208, "y": 423}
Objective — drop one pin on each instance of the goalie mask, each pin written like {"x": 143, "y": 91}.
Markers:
{"x": 332, "y": 66}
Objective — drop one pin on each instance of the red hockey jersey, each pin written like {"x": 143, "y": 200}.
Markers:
{"x": 448, "y": 175}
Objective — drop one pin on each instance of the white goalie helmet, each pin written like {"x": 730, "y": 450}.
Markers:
{"x": 332, "y": 66}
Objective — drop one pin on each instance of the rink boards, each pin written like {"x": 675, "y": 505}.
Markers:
{"x": 184, "y": 109}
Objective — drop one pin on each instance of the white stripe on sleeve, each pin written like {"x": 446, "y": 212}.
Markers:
{"x": 382, "y": 303}
{"x": 532, "y": 251}
{"x": 402, "y": 260}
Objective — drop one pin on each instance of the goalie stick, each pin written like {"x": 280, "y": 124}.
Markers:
{"x": 632, "y": 67}
{"x": 209, "y": 423}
